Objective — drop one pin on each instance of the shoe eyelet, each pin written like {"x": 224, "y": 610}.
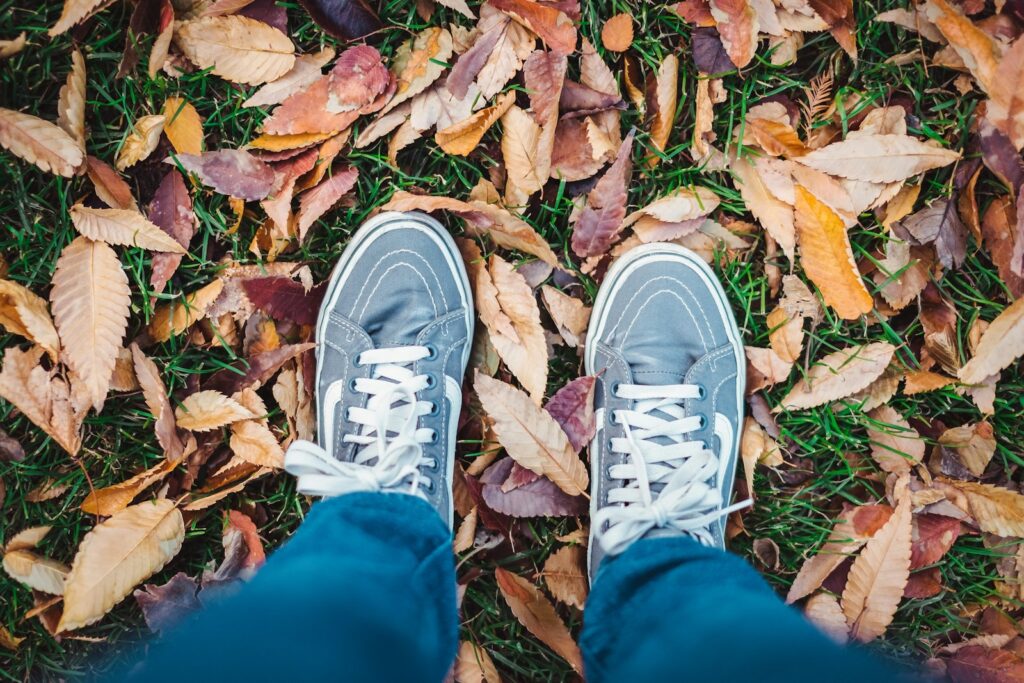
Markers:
{"x": 355, "y": 361}
{"x": 430, "y": 485}
{"x": 431, "y": 351}
{"x": 615, "y": 389}
{"x": 434, "y": 409}
{"x": 434, "y": 437}
{"x": 608, "y": 444}
{"x": 612, "y": 420}
{"x": 352, "y": 385}
{"x": 702, "y": 393}
{"x": 703, "y": 422}
{"x": 431, "y": 381}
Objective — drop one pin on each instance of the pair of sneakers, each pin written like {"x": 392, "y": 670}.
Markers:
{"x": 394, "y": 339}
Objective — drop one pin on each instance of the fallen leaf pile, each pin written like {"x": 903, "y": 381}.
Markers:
{"x": 830, "y": 176}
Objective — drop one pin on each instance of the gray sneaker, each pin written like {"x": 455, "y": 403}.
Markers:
{"x": 393, "y": 343}
{"x": 669, "y": 398}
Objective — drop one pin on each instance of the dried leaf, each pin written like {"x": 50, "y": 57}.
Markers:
{"x": 232, "y": 172}
{"x": 975, "y": 47}
{"x": 314, "y": 203}
{"x": 565, "y": 574}
{"x": 978, "y": 664}
{"x": 24, "y": 313}
{"x": 573, "y": 407}
{"x": 91, "y": 303}
{"x": 827, "y": 257}
{"x": 176, "y": 317}
{"x": 109, "y": 186}
{"x": 71, "y": 101}
{"x": 570, "y": 315}
{"x": 878, "y": 576}
{"x": 9, "y": 48}
{"x": 536, "y": 613}
{"x": 304, "y": 73}
{"x": 182, "y": 126}
{"x": 531, "y": 436}
{"x": 1000, "y": 345}
{"x": 40, "y": 142}
{"x": 738, "y": 26}
{"x": 463, "y": 137}
{"x": 418, "y": 63}
{"x": 74, "y": 12}
{"x": 44, "y": 397}
{"x": 117, "y": 555}
{"x": 840, "y": 374}
{"x": 171, "y": 211}
{"x": 37, "y": 572}
{"x": 878, "y": 158}
{"x": 895, "y": 445}
{"x": 600, "y": 222}
{"x": 110, "y": 500}
{"x": 617, "y": 33}
{"x": 473, "y": 664}
{"x": 209, "y": 409}
{"x": 775, "y": 215}
{"x": 140, "y": 143}
{"x": 662, "y": 97}
{"x": 165, "y": 606}
{"x": 537, "y": 498}
{"x": 823, "y": 610}
{"x": 237, "y": 48}
{"x": 933, "y": 536}
{"x": 122, "y": 226}
{"x": 253, "y": 442}
{"x": 997, "y": 510}
{"x": 974, "y": 445}
{"x": 344, "y": 19}
{"x": 548, "y": 22}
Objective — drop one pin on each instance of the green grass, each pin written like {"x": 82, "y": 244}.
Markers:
{"x": 119, "y": 442}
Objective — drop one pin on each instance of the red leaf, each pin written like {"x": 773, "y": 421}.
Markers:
{"x": 232, "y": 172}
{"x": 343, "y": 19}
{"x": 976, "y": 664}
{"x": 171, "y": 210}
{"x": 598, "y": 225}
{"x": 572, "y": 406}
{"x": 924, "y": 584}
{"x": 166, "y": 605}
{"x": 554, "y": 27}
{"x": 316, "y": 202}
{"x": 257, "y": 370}
{"x": 541, "y": 498}
{"x": 283, "y": 298}
{"x": 932, "y": 538}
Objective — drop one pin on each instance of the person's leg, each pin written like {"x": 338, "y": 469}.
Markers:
{"x": 364, "y": 591}
{"x": 673, "y": 609}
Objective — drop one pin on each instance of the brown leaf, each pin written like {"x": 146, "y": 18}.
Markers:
{"x": 183, "y": 126}
{"x": 474, "y": 665}
{"x": 933, "y": 536}
{"x": 974, "y": 445}
{"x": 44, "y": 397}
{"x": 775, "y": 215}
{"x": 1006, "y": 106}
{"x": 166, "y": 605}
{"x": 171, "y": 211}
{"x": 939, "y": 224}
{"x": 526, "y": 154}
{"x": 463, "y": 137}
{"x": 236, "y": 48}
{"x": 419, "y": 62}
{"x": 344, "y": 19}
{"x": 155, "y": 393}
{"x": 827, "y": 257}
{"x": 536, "y": 613}
{"x": 9, "y": 48}
{"x": 537, "y": 498}
{"x": 997, "y": 510}
{"x": 785, "y": 335}
{"x": 840, "y": 374}
{"x": 823, "y": 611}
{"x": 570, "y": 315}
{"x": 40, "y": 142}
{"x": 509, "y": 310}
{"x": 565, "y": 574}
{"x": 317, "y": 201}
{"x": 842, "y": 23}
{"x": 600, "y": 222}
{"x": 878, "y": 576}
{"x": 91, "y": 301}
{"x": 232, "y": 172}
{"x": 776, "y": 138}
{"x": 110, "y": 500}
{"x": 10, "y": 641}
{"x": 35, "y": 571}
{"x": 998, "y": 227}
{"x": 879, "y": 158}
{"x": 177, "y": 316}
{"x": 71, "y": 101}
{"x": 116, "y": 555}
{"x": 617, "y": 33}
{"x": 662, "y": 96}
{"x": 141, "y": 141}
{"x": 531, "y": 436}
{"x": 978, "y": 664}
{"x": 209, "y": 409}
{"x": 122, "y": 226}
{"x": 738, "y": 26}
{"x": 256, "y": 370}
{"x": 303, "y": 74}
{"x": 284, "y": 299}
{"x": 1000, "y": 345}
{"x": 24, "y": 313}
{"x": 109, "y": 186}
{"x": 895, "y": 445}
{"x": 552, "y": 25}
{"x": 253, "y": 442}
{"x": 975, "y": 47}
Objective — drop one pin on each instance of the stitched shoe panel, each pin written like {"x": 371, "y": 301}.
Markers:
{"x": 670, "y": 366}
{"x": 393, "y": 342}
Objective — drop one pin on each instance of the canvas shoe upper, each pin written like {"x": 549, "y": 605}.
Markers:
{"x": 393, "y": 342}
{"x": 670, "y": 372}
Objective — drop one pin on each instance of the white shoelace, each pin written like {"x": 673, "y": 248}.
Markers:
{"x": 682, "y": 468}
{"x": 392, "y": 443}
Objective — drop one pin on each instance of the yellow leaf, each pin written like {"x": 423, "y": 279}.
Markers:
{"x": 176, "y": 317}
{"x": 206, "y": 410}
{"x": 466, "y": 534}
{"x": 253, "y": 442}
{"x": 997, "y": 510}
{"x": 537, "y": 614}
{"x": 975, "y": 47}
{"x": 565, "y": 574}
{"x": 122, "y": 226}
{"x": 237, "y": 48}
{"x": 24, "y": 313}
{"x": 531, "y": 436}
{"x": 280, "y": 143}
{"x": 463, "y": 137}
{"x": 11, "y": 642}
{"x": 91, "y": 302}
{"x": 183, "y": 127}
{"x": 840, "y": 374}
{"x": 878, "y": 576}
{"x": 661, "y": 105}
{"x": 117, "y": 555}
{"x": 40, "y": 142}
{"x": 827, "y": 257}
{"x": 112, "y": 499}
{"x": 141, "y": 142}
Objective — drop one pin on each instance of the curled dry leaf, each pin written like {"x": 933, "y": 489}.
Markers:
{"x": 537, "y": 498}
{"x": 570, "y": 315}
{"x": 738, "y": 27}
{"x": 155, "y": 393}
{"x": 878, "y": 576}
{"x": 775, "y": 215}
{"x": 549, "y": 23}
{"x": 419, "y": 62}
{"x": 462, "y": 138}
{"x": 840, "y": 374}
{"x": 975, "y": 47}
{"x": 209, "y": 409}
{"x": 827, "y": 257}
{"x": 110, "y": 500}
{"x": 879, "y": 158}
{"x": 71, "y": 101}
{"x": 91, "y": 302}
{"x": 474, "y": 665}
{"x": 531, "y": 436}
{"x": 662, "y": 96}
{"x": 997, "y": 510}
{"x": 35, "y": 571}
{"x": 933, "y": 536}
{"x": 117, "y": 555}
{"x": 1000, "y": 345}
{"x": 74, "y": 11}
{"x": 317, "y": 201}
{"x": 253, "y": 442}
{"x": 565, "y": 574}
{"x": 9, "y": 48}
{"x": 24, "y": 313}
{"x": 122, "y": 226}
{"x": 537, "y": 614}
{"x": 237, "y": 48}
{"x": 40, "y": 142}
{"x": 974, "y": 445}
{"x": 140, "y": 143}
{"x": 44, "y": 397}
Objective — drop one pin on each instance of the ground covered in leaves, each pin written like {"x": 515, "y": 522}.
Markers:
{"x": 852, "y": 170}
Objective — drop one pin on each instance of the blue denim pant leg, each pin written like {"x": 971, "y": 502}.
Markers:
{"x": 670, "y": 609}
{"x": 364, "y": 591}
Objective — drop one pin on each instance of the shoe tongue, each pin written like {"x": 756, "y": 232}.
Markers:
{"x": 399, "y": 321}
{"x": 652, "y": 363}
